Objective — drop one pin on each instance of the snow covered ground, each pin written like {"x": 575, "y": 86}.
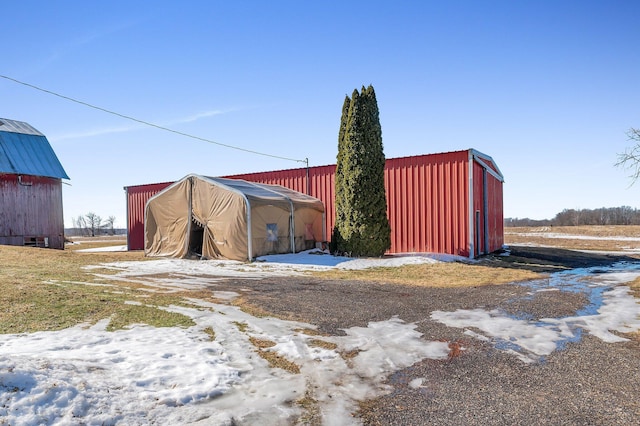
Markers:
{"x": 147, "y": 375}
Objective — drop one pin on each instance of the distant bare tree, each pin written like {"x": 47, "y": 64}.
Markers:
{"x": 108, "y": 224}
{"x": 630, "y": 158}
{"x": 80, "y": 224}
{"x": 93, "y": 223}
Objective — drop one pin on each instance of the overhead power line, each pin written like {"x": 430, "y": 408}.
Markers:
{"x": 146, "y": 123}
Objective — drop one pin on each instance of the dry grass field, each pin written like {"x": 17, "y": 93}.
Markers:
{"x": 616, "y": 238}
{"x": 47, "y": 289}
{"x": 447, "y": 274}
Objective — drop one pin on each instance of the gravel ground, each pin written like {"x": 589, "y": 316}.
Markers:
{"x": 586, "y": 383}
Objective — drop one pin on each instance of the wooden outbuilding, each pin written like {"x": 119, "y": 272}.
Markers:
{"x": 31, "y": 212}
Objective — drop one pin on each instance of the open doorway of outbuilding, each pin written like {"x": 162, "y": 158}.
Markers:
{"x": 196, "y": 236}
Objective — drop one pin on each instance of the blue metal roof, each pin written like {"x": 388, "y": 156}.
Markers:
{"x": 26, "y": 151}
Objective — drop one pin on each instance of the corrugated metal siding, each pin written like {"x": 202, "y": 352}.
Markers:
{"x": 322, "y": 186}
{"x": 496, "y": 215}
{"x": 487, "y": 200}
{"x": 31, "y": 207}
{"x": 427, "y": 201}
{"x": 478, "y": 209}
{"x": 137, "y": 197}
{"x": 293, "y": 178}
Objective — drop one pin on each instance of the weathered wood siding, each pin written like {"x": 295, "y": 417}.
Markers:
{"x": 31, "y": 211}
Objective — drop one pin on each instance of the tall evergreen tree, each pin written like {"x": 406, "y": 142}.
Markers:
{"x": 362, "y": 227}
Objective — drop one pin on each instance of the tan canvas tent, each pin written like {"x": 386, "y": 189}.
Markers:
{"x": 219, "y": 218}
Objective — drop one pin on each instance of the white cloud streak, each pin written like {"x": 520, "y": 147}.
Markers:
{"x": 125, "y": 129}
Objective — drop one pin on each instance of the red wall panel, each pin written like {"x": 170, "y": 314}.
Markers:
{"x": 137, "y": 197}
{"x": 496, "y": 215}
{"x": 427, "y": 203}
{"x": 487, "y": 202}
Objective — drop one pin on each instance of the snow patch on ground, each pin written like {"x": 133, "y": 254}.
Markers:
{"x": 103, "y": 249}
{"x": 616, "y": 310}
{"x": 146, "y": 375}
{"x": 177, "y": 274}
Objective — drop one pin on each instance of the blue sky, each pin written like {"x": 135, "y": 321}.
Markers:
{"x": 547, "y": 88}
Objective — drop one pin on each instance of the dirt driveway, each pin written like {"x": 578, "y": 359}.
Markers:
{"x": 584, "y": 381}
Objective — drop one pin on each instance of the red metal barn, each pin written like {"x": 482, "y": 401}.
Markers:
{"x": 137, "y": 197}
{"x": 447, "y": 203}
{"x": 31, "y": 176}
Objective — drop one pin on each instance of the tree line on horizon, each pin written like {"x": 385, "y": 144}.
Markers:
{"x": 623, "y": 215}
{"x": 91, "y": 225}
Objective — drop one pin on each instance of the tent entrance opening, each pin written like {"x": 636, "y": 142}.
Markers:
{"x": 196, "y": 237}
